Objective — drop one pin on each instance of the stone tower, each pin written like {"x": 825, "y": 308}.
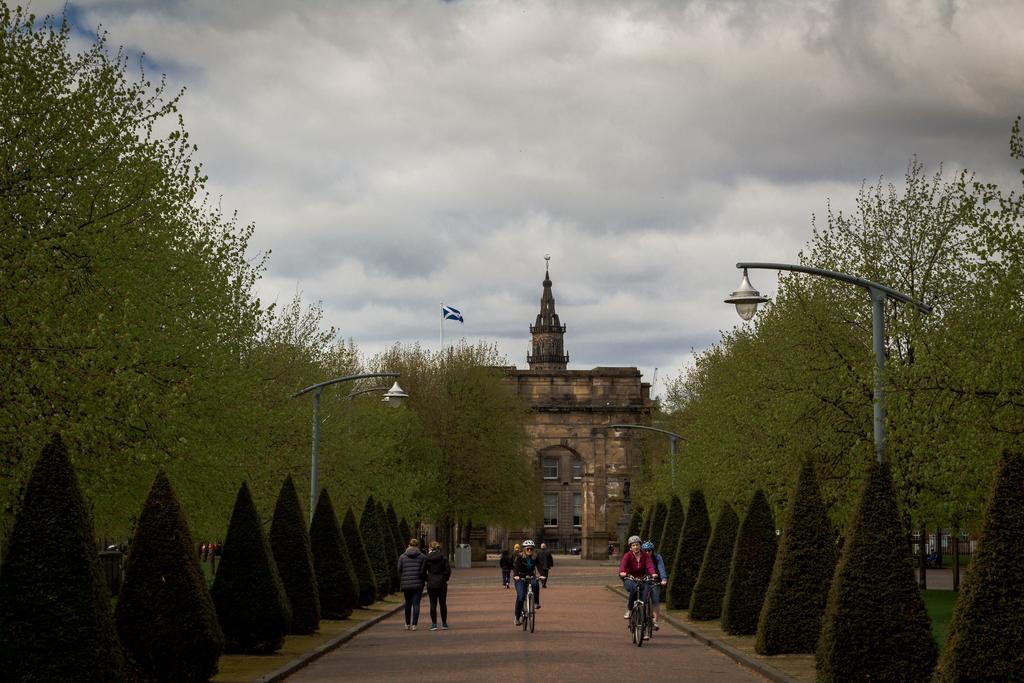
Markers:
{"x": 548, "y": 335}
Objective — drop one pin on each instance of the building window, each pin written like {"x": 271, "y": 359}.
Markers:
{"x": 577, "y": 469}
{"x": 551, "y": 468}
{"x": 577, "y": 509}
{"x": 550, "y": 509}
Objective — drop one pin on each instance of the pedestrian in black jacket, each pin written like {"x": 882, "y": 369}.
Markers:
{"x": 545, "y": 561}
{"x": 410, "y": 572}
{"x": 436, "y": 572}
{"x": 505, "y": 562}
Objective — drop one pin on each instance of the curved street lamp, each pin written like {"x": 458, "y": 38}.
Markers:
{"x": 393, "y": 398}
{"x": 673, "y": 438}
{"x": 747, "y": 299}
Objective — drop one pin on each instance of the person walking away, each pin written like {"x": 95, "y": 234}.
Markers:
{"x": 659, "y": 566}
{"x": 524, "y": 569}
{"x": 410, "y": 571}
{"x": 505, "y": 562}
{"x": 436, "y": 572}
{"x": 545, "y": 561}
{"x": 635, "y": 565}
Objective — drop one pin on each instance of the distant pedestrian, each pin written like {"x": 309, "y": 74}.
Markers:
{"x": 505, "y": 562}
{"x": 436, "y": 572}
{"x": 545, "y": 561}
{"x": 410, "y": 571}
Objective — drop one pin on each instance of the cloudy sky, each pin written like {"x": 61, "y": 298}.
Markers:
{"x": 394, "y": 155}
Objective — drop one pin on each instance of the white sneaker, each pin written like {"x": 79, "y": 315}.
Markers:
{"x": 414, "y": 627}
{"x": 407, "y": 627}
{"x": 626, "y": 615}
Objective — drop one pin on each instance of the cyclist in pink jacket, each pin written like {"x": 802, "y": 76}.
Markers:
{"x": 635, "y": 564}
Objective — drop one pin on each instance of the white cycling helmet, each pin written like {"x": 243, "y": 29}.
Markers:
{"x": 633, "y": 539}
{"x": 529, "y": 544}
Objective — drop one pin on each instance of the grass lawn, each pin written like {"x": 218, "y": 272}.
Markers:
{"x": 940, "y": 609}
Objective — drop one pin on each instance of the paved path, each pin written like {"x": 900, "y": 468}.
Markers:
{"x": 581, "y": 636}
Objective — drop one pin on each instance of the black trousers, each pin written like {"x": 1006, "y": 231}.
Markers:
{"x": 438, "y": 595}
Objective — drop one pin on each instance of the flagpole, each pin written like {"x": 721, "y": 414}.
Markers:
{"x": 440, "y": 328}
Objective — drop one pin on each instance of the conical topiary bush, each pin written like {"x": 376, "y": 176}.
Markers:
{"x": 753, "y": 559}
{"x": 289, "y": 543}
{"x": 690, "y": 554}
{"x": 389, "y": 546}
{"x": 360, "y": 560}
{"x": 645, "y": 528}
{"x": 986, "y": 635}
{"x": 790, "y": 620}
{"x": 396, "y": 532}
{"x": 373, "y": 538}
{"x": 668, "y": 543}
{"x": 251, "y": 603}
{"x": 165, "y": 615}
{"x": 709, "y": 590}
{"x": 335, "y": 576}
{"x": 875, "y": 625}
{"x": 406, "y": 534}
{"x": 636, "y": 522}
{"x": 55, "y": 619}
{"x": 658, "y": 524}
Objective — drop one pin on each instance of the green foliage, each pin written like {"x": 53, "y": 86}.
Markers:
{"x": 668, "y": 544}
{"x": 55, "y": 620}
{"x": 396, "y": 531}
{"x": 875, "y": 625}
{"x": 636, "y": 520}
{"x": 753, "y": 558}
{"x": 389, "y": 545}
{"x": 709, "y": 590}
{"x": 333, "y": 562}
{"x": 251, "y": 603}
{"x": 645, "y": 528}
{"x": 790, "y": 619}
{"x": 658, "y": 523}
{"x": 361, "y": 567}
{"x": 376, "y": 547}
{"x": 406, "y": 532}
{"x": 692, "y": 542}
{"x": 986, "y": 636}
{"x": 165, "y": 615}
{"x": 290, "y": 545}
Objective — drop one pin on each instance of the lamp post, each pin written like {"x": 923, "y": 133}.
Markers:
{"x": 393, "y": 397}
{"x": 673, "y": 438}
{"x": 746, "y": 299}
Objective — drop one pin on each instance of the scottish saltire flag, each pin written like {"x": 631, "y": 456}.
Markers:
{"x": 449, "y": 313}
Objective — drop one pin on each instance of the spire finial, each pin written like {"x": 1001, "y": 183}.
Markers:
{"x": 547, "y": 263}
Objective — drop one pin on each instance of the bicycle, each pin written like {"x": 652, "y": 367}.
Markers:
{"x": 528, "y": 618}
{"x": 641, "y": 617}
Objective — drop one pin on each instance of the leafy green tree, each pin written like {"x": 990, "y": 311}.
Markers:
{"x": 333, "y": 563}
{"x": 406, "y": 530}
{"x": 752, "y": 561}
{"x": 361, "y": 566}
{"x": 165, "y": 616}
{"x": 251, "y": 602}
{"x": 875, "y": 625}
{"x": 986, "y": 635}
{"x": 290, "y": 545}
{"x": 709, "y": 590}
{"x": 690, "y": 554}
{"x": 669, "y": 541}
{"x": 790, "y": 619}
{"x": 376, "y": 547}
{"x": 55, "y": 620}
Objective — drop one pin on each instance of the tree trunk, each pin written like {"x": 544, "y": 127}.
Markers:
{"x": 922, "y": 557}
{"x": 938, "y": 548}
{"x": 955, "y": 538}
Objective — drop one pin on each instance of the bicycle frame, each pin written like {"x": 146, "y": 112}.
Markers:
{"x": 529, "y": 614}
{"x": 641, "y": 617}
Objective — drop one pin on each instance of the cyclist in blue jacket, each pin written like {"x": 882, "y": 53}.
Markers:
{"x": 659, "y": 564}
{"x": 524, "y": 568}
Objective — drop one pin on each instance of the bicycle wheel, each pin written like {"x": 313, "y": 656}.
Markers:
{"x": 631, "y": 624}
{"x": 533, "y": 618}
{"x": 527, "y": 609}
{"x": 638, "y": 632}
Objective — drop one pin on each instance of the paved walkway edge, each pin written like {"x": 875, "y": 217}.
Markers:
{"x": 741, "y": 658}
{"x": 339, "y": 640}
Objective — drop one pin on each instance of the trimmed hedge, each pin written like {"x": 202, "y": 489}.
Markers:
{"x": 875, "y": 625}
{"x": 289, "y": 542}
{"x": 636, "y": 522}
{"x": 645, "y": 528}
{"x": 753, "y": 559}
{"x": 658, "y": 525}
{"x": 332, "y": 562}
{"x": 690, "y": 554}
{"x": 790, "y": 620}
{"x": 55, "y": 619}
{"x": 251, "y": 603}
{"x": 669, "y": 541}
{"x": 401, "y": 540}
{"x": 165, "y": 615}
{"x": 361, "y": 567}
{"x": 709, "y": 590}
{"x": 389, "y": 545}
{"x": 373, "y": 539}
{"x": 986, "y": 635}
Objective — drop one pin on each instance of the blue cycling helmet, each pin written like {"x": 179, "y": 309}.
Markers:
{"x": 648, "y": 546}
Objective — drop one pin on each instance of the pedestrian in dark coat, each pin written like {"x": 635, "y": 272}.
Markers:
{"x": 410, "y": 572}
{"x": 545, "y": 561}
{"x": 436, "y": 572}
{"x": 505, "y": 562}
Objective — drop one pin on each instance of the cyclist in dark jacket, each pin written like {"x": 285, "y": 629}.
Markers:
{"x": 524, "y": 569}
{"x": 436, "y": 572}
{"x": 410, "y": 572}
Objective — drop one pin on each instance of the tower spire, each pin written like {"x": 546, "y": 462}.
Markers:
{"x": 548, "y": 333}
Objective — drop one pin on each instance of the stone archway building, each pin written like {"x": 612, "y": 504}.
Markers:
{"x": 586, "y": 468}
